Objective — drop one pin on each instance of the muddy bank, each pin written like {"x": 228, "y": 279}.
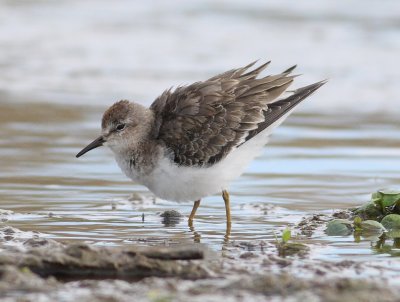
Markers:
{"x": 79, "y": 261}
{"x": 43, "y": 269}
{"x": 244, "y": 287}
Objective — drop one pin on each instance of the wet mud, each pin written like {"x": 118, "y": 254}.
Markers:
{"x": 38, "y": 268}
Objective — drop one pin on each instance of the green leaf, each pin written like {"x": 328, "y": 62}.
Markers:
{"x": 391, "y": 221}
{"x": 339, "y": 227}
{"x": 376, "y": 196}
{"x": 372, "y": 226}
{"x": 286, "y": 235}
{"x": 389, "y": 197}
{"x": 394, "y": 234}
{"x": 377, "y": 201}
{"x": 370, "y": 210}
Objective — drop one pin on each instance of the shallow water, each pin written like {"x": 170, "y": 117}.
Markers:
{"x": 312, "y": 164}
{"x": 339, "y": 147}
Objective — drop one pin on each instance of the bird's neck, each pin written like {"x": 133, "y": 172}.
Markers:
{"x": 141, "y": 157}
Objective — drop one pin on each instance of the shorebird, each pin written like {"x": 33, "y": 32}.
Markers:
{"x": 194, "y": 140}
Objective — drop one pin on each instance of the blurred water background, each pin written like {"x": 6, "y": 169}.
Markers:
{"x": 63, "y": 63}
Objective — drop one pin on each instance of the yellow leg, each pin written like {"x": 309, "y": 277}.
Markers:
{"x": 225, "y": 196}
{"x": 195, "y": 206}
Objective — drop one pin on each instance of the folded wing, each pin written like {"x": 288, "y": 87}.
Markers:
{"x": 201, "y": 123}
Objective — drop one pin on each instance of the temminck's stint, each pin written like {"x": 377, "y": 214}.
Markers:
{"x": 194, "y": 140}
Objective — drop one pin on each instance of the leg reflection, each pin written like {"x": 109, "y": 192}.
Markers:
{"x": 196, "y": 235}
{"x": 227, "y": 232}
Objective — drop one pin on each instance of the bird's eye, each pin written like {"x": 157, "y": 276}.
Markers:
{"x": 120, "y": 127}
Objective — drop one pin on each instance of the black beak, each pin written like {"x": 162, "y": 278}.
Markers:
{"x": 98, "y": 142}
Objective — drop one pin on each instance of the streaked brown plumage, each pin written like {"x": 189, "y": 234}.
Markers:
{"x": 201, "y": 123}
{"x": 194, "y": 140}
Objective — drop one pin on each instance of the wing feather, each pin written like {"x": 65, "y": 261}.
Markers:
{"x": 201, "y": 123}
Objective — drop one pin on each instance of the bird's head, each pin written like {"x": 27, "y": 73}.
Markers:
{"x": 124, "y": 125}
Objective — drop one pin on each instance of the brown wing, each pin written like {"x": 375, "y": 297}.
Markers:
{"x": 201, "y": 123}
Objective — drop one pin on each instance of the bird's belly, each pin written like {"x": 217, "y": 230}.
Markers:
{"x": 171, "y": 182}
{"x": 180, "y": 183}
